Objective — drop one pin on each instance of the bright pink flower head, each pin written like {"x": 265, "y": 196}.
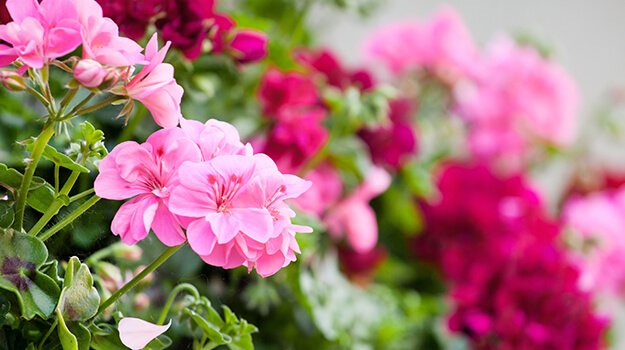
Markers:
{"x": 90, "y": 73}
{"x": 326, "y": 190}
{"x": 156, "y": 88}
{"x": 517, "y": 99}
{"x": 241, "y": 216}
{"x": 442, "y": 45}
{"x": 147, "y": 172}
{"x": 249, "y": 45}
{"x": 215, "y": 138}
{"x": 354, "y": 218}
{"x": 598, "y": 224}
{"x": 101, "y": 40}
{"x": 39, "y": 32}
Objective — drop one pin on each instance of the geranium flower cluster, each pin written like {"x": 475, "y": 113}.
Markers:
{"x": 511, "y": 284}
{"x": 200, "y": 177}
{"x": 292, "y": 102}
{"x": 598, "y": 229}
{"x": 510, "y": 97}
{"x": 192, "y": 26}
{"x": 41, "y": 33}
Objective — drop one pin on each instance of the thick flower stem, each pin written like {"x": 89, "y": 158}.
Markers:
{"x": 71, "y": 217}
{"x": 20, "y": 202}
{"x": 179, "y": 288}
{"x": 76, "y": 112}
{"x": 133, "y": 282}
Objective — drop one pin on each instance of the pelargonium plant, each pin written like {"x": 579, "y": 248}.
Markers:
{"x": 189, "y": 182}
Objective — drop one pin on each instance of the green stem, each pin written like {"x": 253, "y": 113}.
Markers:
{"x": 45, "y": 337}
{"x": 71, "y": 217}
{"x": 57, "y": 168}
{"x": 133, "y": 282}
{"x": 93, "y": 107}
{"x": 39, "y": 97}
{"x": 56, "y": 205}
{"x": 129, "y": 129}
{"x": 66, "y": 101}
{"x": 40, "y": 145}
{"x": 179, "y": 288}
{"x": 78, "y": 106}
{"x": 81, "y": 194}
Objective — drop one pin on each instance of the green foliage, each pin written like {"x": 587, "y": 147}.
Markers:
{"x": 40, "y": 193}
{"x": 21, "y": 256}
{"x": 79, "y": 300}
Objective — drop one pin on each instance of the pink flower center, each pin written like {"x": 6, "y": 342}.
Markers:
{"x": 224, "y": 193}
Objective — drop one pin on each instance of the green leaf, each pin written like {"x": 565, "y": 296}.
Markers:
{"x": 244, "y": 342}
{"x": 51, "y": 154}
{"x": 105, "y": 337}
{"x": 21, "y": 256}
{"x": 40, "y": 195}
{"x": 6, "y": 214}
{"x": 68, "y": 340}
{"x": 82, "y": 334}
{"x": 159, "y": 343}
{"x": 210, "y": 330}
{"x": 79, "y": 300}
{"x": 51, "y": 269}
{"x": 5, "y": 307}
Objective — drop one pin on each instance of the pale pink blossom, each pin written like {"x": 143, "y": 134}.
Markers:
{"x": 147, "y": 172}
{"x": 598, "y": 223}
{"x": 353, "y": 218}
{"x": 516, "y": 100}
{"x": 441, "y": 44}
{"x": 136, "y": 333}
{"x": 155, "y": 86}
{"x": 101, "y": 40}
{"x": 90, "y": 73}
{"x": 39, "y": 32}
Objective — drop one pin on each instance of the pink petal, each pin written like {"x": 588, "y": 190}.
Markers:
{"x": 136, "y": 333}
{"x": 166, "y": 227}
{"x": 254, "y": 222}
{"x": 133, "y": 219}
{"x": 20, "y": 9}
{"x": 186, "y": 202}
{"x": 201, "y": 237}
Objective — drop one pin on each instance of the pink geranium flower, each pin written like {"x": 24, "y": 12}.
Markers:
{"x": 101, "y": 40}
{"x": 215, "y": 138}
{"x": 39, "y": 32}
{"x": 354, "y": 218}
{"x": 155, "y": 86}
{"x": 147, "y": 172}
{"x": 249, "y": 45}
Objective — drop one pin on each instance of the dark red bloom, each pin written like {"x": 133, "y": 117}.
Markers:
{"x": 187, "y": 23}
{"x": 392, "y": 144}
{"x": 324, "y": 62}
{"x": 5, "y": 17}
{"x": 132, "y": 16}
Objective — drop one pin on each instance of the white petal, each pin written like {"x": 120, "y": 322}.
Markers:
{"x": 136, "y": 333}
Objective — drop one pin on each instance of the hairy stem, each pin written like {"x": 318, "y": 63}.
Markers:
{"x": 179, "y": 288}
{"x": 71, "y": 217}
{"x": 20, "y": 202}
{"x": 133, "y": 282}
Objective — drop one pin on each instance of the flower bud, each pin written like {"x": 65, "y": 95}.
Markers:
{"x": 130, "y": 252}
{"x": 141, "y": 301}
{"x": 12, "y": 80}
{"x": 249, "y": 45}
{"x": 90, "y": 73}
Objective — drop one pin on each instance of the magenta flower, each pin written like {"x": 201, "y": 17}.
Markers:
{"x": 393, "y": 144}
{"x": 5, "y": 17}
{"x": 248, "y": 45}
{"x": 326, "y": 189}
{"x": 325, "y": 63}
{"x": 155, "y": 86}
{"x": 132, "y": 16}
{"x": 39, "y": 32}
{"x": 147, "y": 172}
